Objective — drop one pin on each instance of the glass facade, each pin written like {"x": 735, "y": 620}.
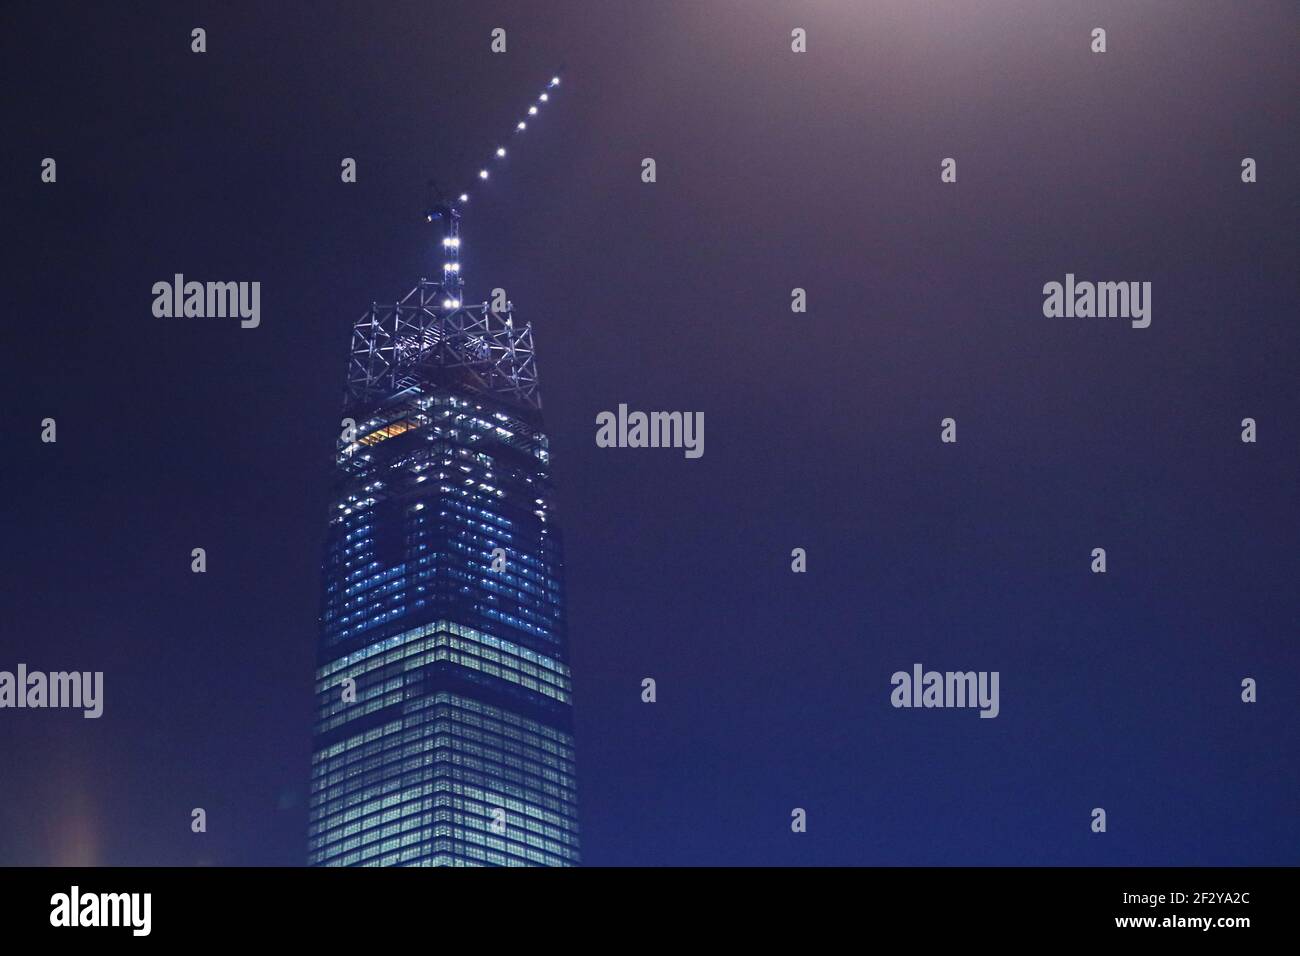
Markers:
{"x": 443, "y": 719}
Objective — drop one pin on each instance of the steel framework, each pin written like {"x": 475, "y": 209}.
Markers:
{"x": 430, "y": 330}
{"x": 397, "y": 346}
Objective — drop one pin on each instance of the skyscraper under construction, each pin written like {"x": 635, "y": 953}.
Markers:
{"x": 443, "y": 720}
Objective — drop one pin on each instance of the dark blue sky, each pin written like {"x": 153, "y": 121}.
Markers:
{"x": 775, "y": 170}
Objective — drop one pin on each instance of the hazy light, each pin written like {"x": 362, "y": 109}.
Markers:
{"x": 501, "y": 150}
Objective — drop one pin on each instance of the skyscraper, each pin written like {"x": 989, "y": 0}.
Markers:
{"x": 443, "y": 730}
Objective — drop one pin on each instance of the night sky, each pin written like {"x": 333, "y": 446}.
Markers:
{"x": 775, "y": 170}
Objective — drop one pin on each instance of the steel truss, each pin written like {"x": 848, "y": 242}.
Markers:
{"x": 405, "y": 344}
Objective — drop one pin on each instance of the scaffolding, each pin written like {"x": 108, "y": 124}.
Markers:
{"x": 395, "y": 347}
{"x": 430, "y": 335}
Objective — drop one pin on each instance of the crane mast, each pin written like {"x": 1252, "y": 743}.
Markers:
{"x": 447, "y": 212}
{"x": 433, "y": 331}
